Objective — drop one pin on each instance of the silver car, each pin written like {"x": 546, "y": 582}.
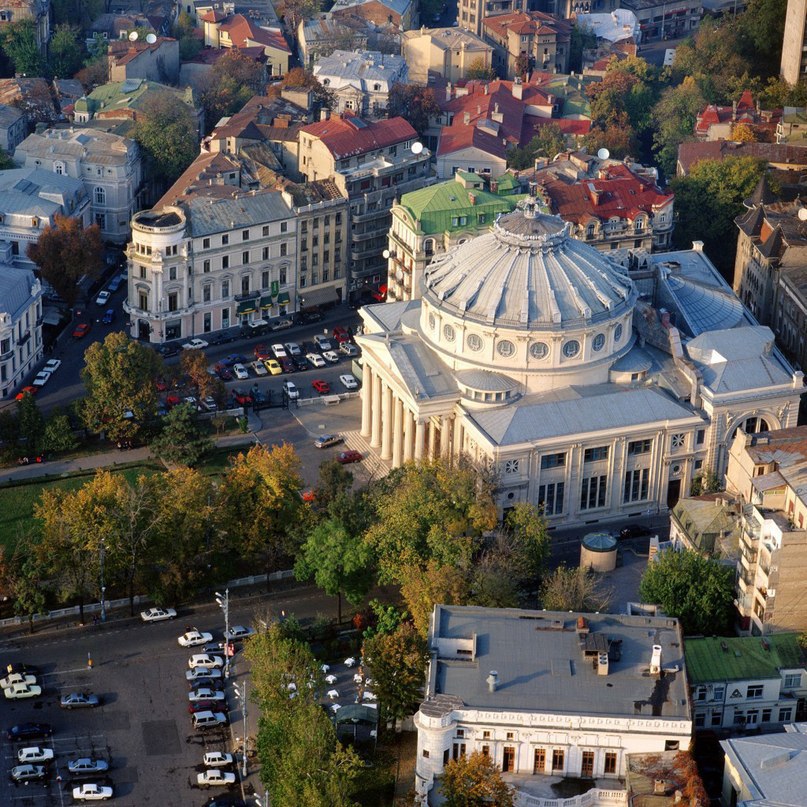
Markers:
{"x": 79, "y": 700}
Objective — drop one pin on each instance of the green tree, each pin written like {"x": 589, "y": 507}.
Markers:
{"x": 548, "y": 142}
{"x": 526, "y": 527}
{"x": 77, "y": 12}
{"x": 18, "y": 40}
{"x": 66, "y": 50}
{"x": 574, "y": 589}
{"x": 474, "y": 781}
{"x": 339, "y": 562}
{"x": 66, "y": 252}
{"x": 21, "y": 577}
{"x": 5, "y": 161}
{"x": 229, "y": 84}
{"x": 31, "y": 423}
{"x": 185, "y": 34}
{"x": 58, "y": 434}
{"x": 295, "y": 11}
{"x": 421, "y": 589}
{"x": 181, "y": 441}
{"x": 697, "y": 590}
{"x": 335, "y": 480}
{"x": 119, "y": 375}
{"x": 479, "y": 71}
{"x": 396, "y": 662}
{"x": 761, "y": 30}
{"x": 415, "y": 103}
{"x": 674, "y": 118}
{"x": 581, "y": 38}
{"x": 167, "y": 132}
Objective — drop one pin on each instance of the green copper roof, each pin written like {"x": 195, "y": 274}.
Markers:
{"x": 442, "y": 207}
{"x": 129, "y": 94}
{"x": 740, "y": 658}
{"x": 507, "y": 182}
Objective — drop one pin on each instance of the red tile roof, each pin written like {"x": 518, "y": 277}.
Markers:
{"x": 784, "y": 153}
{"x": 746, "y": 112}
{"x": 522, "y": 22}
{"x": 347, "y": 135}
{"x": 241, "y": 31}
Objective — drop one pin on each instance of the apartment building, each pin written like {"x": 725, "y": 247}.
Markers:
{"x": 793, "y": 65}
{"x": 372, "y": 164}
{"x": 20, "y": 323}
{"x": 13, "y": 127}
{"x": 446, "y": 52}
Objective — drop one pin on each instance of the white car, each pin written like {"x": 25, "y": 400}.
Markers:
{"x": 315, "y": 359}
{"x": 215, "y": 778}
{"x": 290, "y": 388}
{"x": 322, "y": 342}
{"x": 293, "y": 349}
{"x": 349, "y": 381}
{"x": 279, "y": 351}
{"x": 158, "y": 614}
{"x": 202, "y": 672}
{"x": 35, "y": 754}
{"x": 52, "y": 365}
{"x": 92, "y": 792}
{"x": 205, "y": 660}
{"x": 103, "y": 298}
{"x": 20, "y": 691}
{"x": 238, "y": 632}
{"x": 217, "y": 759}
{"x": 41, "y": 378}
{"x": 195, "y": 344}
{"x": 330, "y": 356}
{"x": 205, "y": 694}
{"x": 87, "y": 765}
{"x": 240, "y": 372}
{"x": 194, "y": 637}
{"x": 17, "y": 678}
{"x": 259, "y": 368}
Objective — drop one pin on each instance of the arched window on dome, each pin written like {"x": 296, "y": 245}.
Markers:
{"x": 428, "y": 247}
{"x": 752, "y": 425}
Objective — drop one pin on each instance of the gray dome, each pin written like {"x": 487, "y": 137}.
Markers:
{"x": 528, "y": 272}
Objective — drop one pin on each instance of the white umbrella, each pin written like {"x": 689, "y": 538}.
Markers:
{"x": 335, "y": 707}
{"x": 333, "y": 694}
{"x": 330, "y": 679}
{"x": 368, "y": 696}
{"x": 357, "y": 678}
{"x": 350, "y": 662}
{"x": 325, "y": 668}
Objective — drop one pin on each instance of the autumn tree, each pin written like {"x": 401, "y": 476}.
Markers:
{"x": 298, "y": 78}
{"x": 18, "y": 40}
{"x": 181, "y": 440}
{"x": 166, "y": 130}
{"x": 480, "y": 71}
{"x": 229, "y": 84}
{"x": 66, "y": 50}
{"x": 415, "y": 103}
{"x": 574, "y": 589}
{"x": 293, "y": 12}
{"x": 422, "y": 589}
{"x": 193, "y": 364}
{"x": 65, "y": 252}
{"x": 30, "y": 423}
{"x": 674, "y": 118}
{"x": 119, "y": 375}
{"x": 474, "y": 781}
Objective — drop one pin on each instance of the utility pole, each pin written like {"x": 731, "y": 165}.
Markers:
{"x": 102, "y": 550}
{"x": 241, "y": 692}
{"x": 224, "y": 604}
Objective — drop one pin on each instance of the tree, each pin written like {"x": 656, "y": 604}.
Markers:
{"x": 421, "y": 589}
{"x": 77, "y": 12}
{"x": 335, "y": 480}
{"x": 581, "y": 38}
{"x": 66, "y": 50}
{"x": 697, "y": 590}
{"x": 415, "y": 103}
{"x": 167, "y": 132}
{"x": 58, "y": 434}
{"x": 526, "y": 526}
{"x": 339, "y": 562}
{"x": 396, "y": 663}
{"x": 574, "y": 589}
{"x": 761, "y": 32}
{"x": 66, "y": 252}
{"x": 298, "y": 78}
{"x": 18, "y": 40}
{"x": 743, "y": 133}
{"x": 193, "y": 364}
{"x": 181, "y": 442}
{"x": 522, "y": 64}
{"x": 705, "y": 481}
{"x": 21, "y": 577}
{"x": 119, "y": 375}
{"x": 474, "y": 781}
{"x": 229, "y": 84}
{"x": 295, "y": 11}
{"x": 480, "y": 71}
{"x": 674, "y": 118}
{"x": 5, "y": 161}
{"x": 31, "y": 423}
{"x": 548, "y": 142}
{"x": 185, "y": 34}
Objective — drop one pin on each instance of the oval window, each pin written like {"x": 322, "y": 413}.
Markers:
{"x": 618, "y": 333}
{"x": 448, "y": 333}
{"x": 571, "y": 348}
{"x": 539, "y": 350}
{"x": 474, "y": 341}
{"x": 599, "y": 342}
{"x": 506, "y": 348}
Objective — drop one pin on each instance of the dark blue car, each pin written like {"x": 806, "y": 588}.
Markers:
{"x": 109, "y": 316}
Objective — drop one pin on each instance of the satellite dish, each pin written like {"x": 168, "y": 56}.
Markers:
{"x": 385, "y": 253}
{"x": 603, "y": 154}
{"x": 417, "y": 147}
{"x": 151, "y": 38}
{"x": 802, "y": 214}
{"x": 133, "y": 36}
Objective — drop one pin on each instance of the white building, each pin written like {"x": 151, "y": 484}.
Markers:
{"x": 20, "y": 326}
{"x": 107, "y": 164}
{"x": 361, "y": 82}
{"x": 547, "y": 693}
{"x": 30, "y": 200}
{"x": 211, "y": 262}
{"x": 13, "y": 127}
{"x": 592, "y": 393}
{"x": 617, "y": 26}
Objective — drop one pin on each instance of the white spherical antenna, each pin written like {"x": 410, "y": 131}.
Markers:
{"x": 802, "y": 214}
{"x": 151, "y": 38}
{"x": 133, "y": 36}
{"x": 386, "y": 253}
{"x": 603, "y": 154}
{"x": 417, "y": 147}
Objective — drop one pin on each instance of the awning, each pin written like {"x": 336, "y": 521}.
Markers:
{"x": 283, "y": 298}
{"x": 247, "y": 307}
{"x": 266, "y": 301}
{"x": 311, "y": 299}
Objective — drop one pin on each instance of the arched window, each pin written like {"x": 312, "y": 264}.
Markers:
{"x": 428, "y": 246}
{"x": 99, "y": 194}
{"x": 58, "y": 167}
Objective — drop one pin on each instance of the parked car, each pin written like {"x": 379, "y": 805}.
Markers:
{"x": 114, "y": 284}
{"x": 203, "y": 721}
{"x": 102, "y": 298}
{"x": 322, "y": 387}
{"x": 52, "y": 365}
{"x": 300, "y": 363}
{"x": 91, "y": 791}
{"x": 158, "y": 614}
{"x": 195, "y": 344}
{"x": 273, "y": 367}
{"x": 232, "y": 359}
{"x": 635, "y": 531}
{"x": 194, "y": 707}
{"x": 237, "y": 632}
{"x": 346, "y": 457}
{"x": 293, "y": 349}
{"x": 349, "y": 349}
{"x": 240, "y": 372}
{"x": 213, "y": 777}
{"x": 217, "y": 759}
{"x": 207, "y": 681}
{"x": 29, "y": 390}
{"x": 28, "y": 731}
{"x": 35, "y": 755}
{"x": 331, "y": 356}
{"x": 79, "y": 700}
{"x": 242, "y": 398}
{"x": 205, "y": 660}
{"x": 224, "y": 373}
{"x": 315, "y": 359}
{"x": 307, "y": 317}
{"x": 192, "y": 638}
{"x": 196, "y": 673}
{"x": 41, "y": 378}
{"x": 23, "y": 774}
{"x": 214, "y": 649}
{"x": 259, "y": 368}
{"x": 209, "y": 403}
{"x": 349, "y": 381}
{"x": 22, "y": 691}
{"x": 81, "y": 330}
{"x": 205, "y": 694}
{"x": 261, "y": 352}
{"x": 322, "y": 342}
{"x": 87, "y": 766}
{"x": 281, "y": 325}
{"x": 341, "y": 334}
{"x": 109, "y": 316}
{"x": 290, "y": 389}
{"x": 279, "y": 351}
{"x": 17, "y": 678}
{"x": 168, "y": 350}
{"x": 328, "y": 440}
{"x": 288, "y": 365}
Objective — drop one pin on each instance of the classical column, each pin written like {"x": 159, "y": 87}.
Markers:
{"x": 367, "y": 402}
{"x": 409, "y": 435}
{"x": 420, "y": 434}
{"x": 445, "y": 436}
{"x": 375, "y": 440}
{"x": 397, "y": 434}
{"x": 432, "y": 440}
{"x": 386, "y": 424}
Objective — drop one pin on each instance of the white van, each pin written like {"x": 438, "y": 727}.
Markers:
{"x": 208, "y": 720}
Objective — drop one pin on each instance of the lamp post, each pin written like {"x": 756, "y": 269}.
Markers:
{"x": 241, "y": 694}
{"x": 224, "y": 604}
{"x": 102, "y": 550}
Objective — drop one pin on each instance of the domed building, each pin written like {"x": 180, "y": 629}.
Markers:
{"x": 594, "y": 391}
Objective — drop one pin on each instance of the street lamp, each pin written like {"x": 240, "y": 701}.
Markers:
{"x": 241, "y": 694}
{"x": 102, "y": 549}
{"x": 224, "y": 604}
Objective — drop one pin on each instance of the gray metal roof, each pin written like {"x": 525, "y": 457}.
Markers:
{"x": 210, "y": 215}
{"x": 361, "y": 69}
{"x": 37, "y": 192}
{"x": 528, "y": 272}
{"x": 15, "y": 289}
{"x": 544, "y": 663}
{"x": 96, "y": 146}
{"x": 9, "y": 115}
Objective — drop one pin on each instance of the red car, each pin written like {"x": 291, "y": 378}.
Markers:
{"x": 288, "y": 365}
{"x": 161, "y": 385}
{"x": 82, "y": 329}
{"x": 341, "y": 334}
{"x": 26, "y": 391}
{"x": 206, "y": 706}
{"x": 346, "y": 457}
{"x": 322, "y": 387}
{"x": 172, "y": 400}
{"x": 308, "y": 496}
{"x": 262, "y": 352}
{"x": 242, "y": 398}
{"x": 224, "y": 373}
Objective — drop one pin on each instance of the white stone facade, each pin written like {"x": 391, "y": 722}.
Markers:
{"x": 20, "y": 326}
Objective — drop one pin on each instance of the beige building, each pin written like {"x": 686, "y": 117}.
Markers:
{"x": 152, "y": 61}
{"x": 38, "y": 11}
{"x": 472, "y": 13}
{"x": 794, "y": 44}
{"x": 239, "y": 32}
{"x": 448, "y": 52}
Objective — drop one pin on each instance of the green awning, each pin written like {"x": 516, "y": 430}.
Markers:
{"x": 266, "y": 301}
{"x": 283, "y": 298}
{"x": 247, "y": 307}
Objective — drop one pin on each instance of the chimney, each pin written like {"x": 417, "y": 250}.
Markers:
{"x": 492, "y": 681}
{"x": 659, "y": 787}
{"x": 602, "y": 664}
{"x": 655, "y": 660}
{"x": 486, "y": 90}
{"x": 697, "y": 246}
{"x": 472, "y": 199}
{"x": 324, "y": 114}
{"x": 448, "y": 91}
{"x": 518, "y": 88}
{"x": 466, "y": 118}
{"x": 734, "y": 110}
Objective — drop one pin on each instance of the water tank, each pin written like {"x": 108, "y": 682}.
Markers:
{"x": 598, "y": 552}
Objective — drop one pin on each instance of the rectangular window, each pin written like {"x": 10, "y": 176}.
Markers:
{"x": 551, "y": 497}
{"x": 264, "y": 280}
{"x": 225, "y": 289}
{"x": 485, "y": 750}
{"x": 245, "y": 284}
{"x": 225, "y": 318}
{"x": 766, "y": 715}
{"x": 539, "y": 760}
{"x": 716, "y": 718}
{"x": 225, "y": 239}
{"x": 636, "y": 447}
{"x": 245, "y": 235}
{"x": 718, "y": 693}
{"x": 595, "y": 454}
{"x": 265, "y": 254}
{"x": 205, "y": 266}
{"x": 225, "y": 262}
{"x": 785, "y": 714}
{"x": 245, "y": 258}
{"x": 587, "y": 766}
{"x": 592, "y": 492}
{"x": 207, "y": 325}
{"x": 700, "y": 720}
{"x": 508, "y": 759}
{"x": 793, "y": 681}
{"x": 610, "y": 762}
{"x": 173, "y": 301}
{"x": 283, "y": 250}
{"x": 553, "y": 461}
{"x": 265, "y": 230}
{"x": 142, "y": 272}
{"x": 700, "y": 437}
{"x": 206, "y": 293}
{"x": 284, "y": 227}
{"x": 636, "y": 485}
{"x": 172, "y": 273}
{"x": 699, "y": 693}
{"x": 558, "y": 759}
{"x": 205, "y": 243}
{"x": 425, "y": 753}
{"x": 143, "y": 303}
{"x": 754, "y": 691}
{"x": 282, "y": 277}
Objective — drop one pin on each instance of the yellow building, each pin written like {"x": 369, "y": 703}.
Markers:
{"x": 449, "y": 52}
